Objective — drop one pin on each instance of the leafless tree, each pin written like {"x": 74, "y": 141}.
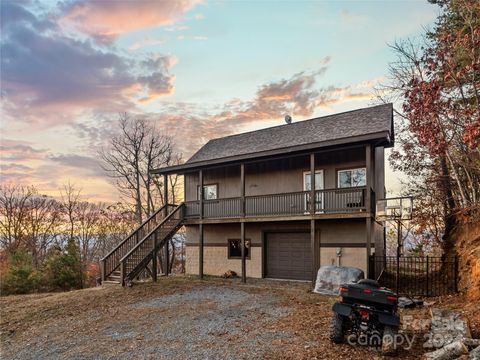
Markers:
{"x": 42, "y": 226}
{"x": 131, "y": 155}
{"x": 117, "y": 221}
{"x": 13, "y": 214}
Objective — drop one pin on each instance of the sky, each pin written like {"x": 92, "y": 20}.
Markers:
{"x": 197, "y": 69}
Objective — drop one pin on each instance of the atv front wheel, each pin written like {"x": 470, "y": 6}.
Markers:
{"x": 388, "y": 341}
{"x": 337, "y": 328}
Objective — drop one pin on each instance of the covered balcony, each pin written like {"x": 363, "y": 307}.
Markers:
{"x": 327, "y": 201}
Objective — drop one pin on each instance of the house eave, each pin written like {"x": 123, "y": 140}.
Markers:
{"x": 379, "y": 139}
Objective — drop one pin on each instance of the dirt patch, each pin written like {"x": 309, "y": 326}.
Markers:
{"x": 467, "y": 242}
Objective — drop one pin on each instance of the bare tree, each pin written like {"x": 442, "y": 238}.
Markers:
{"x": 117, "y": 221}
{"x": 13, "y": 214}
{"x": 131, "y": 155}
{"x": 42, "y": 226}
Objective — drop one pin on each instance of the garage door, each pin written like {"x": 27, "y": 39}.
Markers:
{"x": 288, "y": 256}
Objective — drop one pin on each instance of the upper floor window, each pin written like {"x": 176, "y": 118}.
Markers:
{"x": 352, "y": 178}
{"x": 210, "y": 192}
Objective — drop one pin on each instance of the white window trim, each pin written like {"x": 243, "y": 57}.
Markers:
{"x": 320, "y": 209}
{"x": 204, "y": 186}
{"x": 352, "y": 169}
{"x": 316, "y": 172}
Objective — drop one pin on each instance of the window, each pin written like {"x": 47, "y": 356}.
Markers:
{"x": 352, "y": 178}
{"x": 235, "y": 249}
{"x": 209, "y": 192}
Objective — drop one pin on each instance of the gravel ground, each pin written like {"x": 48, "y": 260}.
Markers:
{"x": 175, "y": 318}
{"x": 212, "y": 321}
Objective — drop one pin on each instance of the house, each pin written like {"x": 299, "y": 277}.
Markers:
{"x": 277, "y": 202}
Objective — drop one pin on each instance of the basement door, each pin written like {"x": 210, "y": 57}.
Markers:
{"x": 288, "y": 256}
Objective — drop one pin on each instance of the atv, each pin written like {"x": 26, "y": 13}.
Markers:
{"x": 366, "y": 311}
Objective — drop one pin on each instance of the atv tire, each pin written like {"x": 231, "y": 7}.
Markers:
{"x": 389, "y": 347}
{"x": 337, "y": 327}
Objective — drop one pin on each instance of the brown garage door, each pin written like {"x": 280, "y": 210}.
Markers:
{"x": 288, "y": 256}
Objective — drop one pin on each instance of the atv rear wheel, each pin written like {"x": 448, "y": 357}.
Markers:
{"x": 388, "y": 341}
{"x": 337, "y": 327}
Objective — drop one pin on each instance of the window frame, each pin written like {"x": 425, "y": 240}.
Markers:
{"x": 247, "y": 255}
{"x": 351, "y": 169}
{"x": 205, "y": 186}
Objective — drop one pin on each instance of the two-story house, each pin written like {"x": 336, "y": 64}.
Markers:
{"x": 282, "y": 201}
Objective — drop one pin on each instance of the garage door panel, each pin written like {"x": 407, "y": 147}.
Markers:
{"x": 288, "y": 256}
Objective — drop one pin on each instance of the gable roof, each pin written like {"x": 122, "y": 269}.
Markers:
{"x": 352, "y": 126}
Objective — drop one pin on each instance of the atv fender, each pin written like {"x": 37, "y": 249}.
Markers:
{"x": 342, "y": 309}
{"x": 389, "y": 320}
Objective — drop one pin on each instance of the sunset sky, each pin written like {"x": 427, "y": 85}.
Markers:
{"x": 198, "y": 69}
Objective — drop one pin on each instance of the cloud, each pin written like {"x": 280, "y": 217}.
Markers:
{"x": 84, "y": 164}
{"x": 49, "y": 77}
{"x": 15, "y": 150}
{"x": 300, "y": 95}
{"x": 14, "y": 172}
{"x": 177, "y": 28}
{"x": 147, "y": 41}
{"x": 106, "y": 20}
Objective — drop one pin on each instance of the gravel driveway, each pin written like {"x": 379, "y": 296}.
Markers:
{"x": 212, "y": 321}
{"x": 175, "y": 318}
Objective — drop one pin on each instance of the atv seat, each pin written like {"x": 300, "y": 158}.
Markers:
{"x": 370, "y": 283}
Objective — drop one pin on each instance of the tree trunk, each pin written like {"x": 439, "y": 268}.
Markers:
{"x": 448, "y": 208}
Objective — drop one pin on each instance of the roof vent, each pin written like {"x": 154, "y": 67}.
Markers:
{"x": 288, "y": 119}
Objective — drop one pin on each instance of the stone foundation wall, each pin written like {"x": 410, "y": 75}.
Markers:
{"x": 354, "y": 257}
{"x": 216, "y": 261}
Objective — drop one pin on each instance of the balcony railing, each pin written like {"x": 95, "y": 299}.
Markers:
{"x": 328, "y": 201}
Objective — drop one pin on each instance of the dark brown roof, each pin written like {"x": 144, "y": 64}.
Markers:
{"x": 357, "y": 125}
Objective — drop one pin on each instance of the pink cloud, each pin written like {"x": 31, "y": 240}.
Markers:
{"x": 105, "y": 20}
{"x": 50, "y": 78}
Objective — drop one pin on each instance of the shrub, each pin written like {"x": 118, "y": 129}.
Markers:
{"x": 20, "y": 277}
{"x": 63, "y": 269}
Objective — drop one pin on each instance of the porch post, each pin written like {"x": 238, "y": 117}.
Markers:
{"x": 314, "y": 251}
{"x": 167, "y": 258}
{"x": 312, "y": 212}
{"x": 154, "y": 259}
{"x": 368, "y": 177}
{"x": 368, "y": 204}
{"x": 165, "y": 195}
{"x": 242, "y": 223}
{"x": 312, "y": 184}
{"x": 165, "y": 214}
{"x": 200, "y": 227}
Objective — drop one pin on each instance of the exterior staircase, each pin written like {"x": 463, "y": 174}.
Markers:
{"x": 133, "y": 255}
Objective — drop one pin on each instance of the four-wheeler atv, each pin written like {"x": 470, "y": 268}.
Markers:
{"x": 366, "y": 311}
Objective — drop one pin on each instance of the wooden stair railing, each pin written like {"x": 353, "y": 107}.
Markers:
{"x": 137, "y": 259}
{"x": 110, "y": 262}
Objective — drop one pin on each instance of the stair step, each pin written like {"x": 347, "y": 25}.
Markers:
{"x": 110, "y": 282}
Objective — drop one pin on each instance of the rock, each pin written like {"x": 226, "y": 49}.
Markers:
{"x": 475, "y": 354}
{"x": 448, "y": 352}
{"x": 406, "y": 303}
{"x": 447, "y": 327}
{"x": 329, "y": 278}
{"x": 230, "y": 274}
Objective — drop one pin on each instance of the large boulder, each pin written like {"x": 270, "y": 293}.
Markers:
{"x": 329, "y": 278}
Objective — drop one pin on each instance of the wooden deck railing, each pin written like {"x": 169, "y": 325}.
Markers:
{"x": 339, "y": 200}
{"x": 140, "y": 255}
{"x": 277, "y": 204}
{"x": 111, "y": 261}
